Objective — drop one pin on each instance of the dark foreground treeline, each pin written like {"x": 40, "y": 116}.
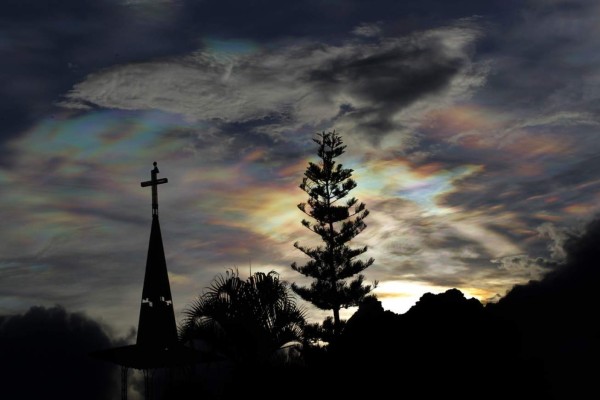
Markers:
{"x": 528, "y": 346}
{"x": 540, "y": 341}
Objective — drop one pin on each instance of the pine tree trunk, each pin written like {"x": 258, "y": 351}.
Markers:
{"x": 336, "y": 322}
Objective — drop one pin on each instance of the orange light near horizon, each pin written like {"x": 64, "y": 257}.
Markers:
{"x": 399, "y": 296}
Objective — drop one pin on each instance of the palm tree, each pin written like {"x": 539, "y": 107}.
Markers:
{"x": 248, "y": 321}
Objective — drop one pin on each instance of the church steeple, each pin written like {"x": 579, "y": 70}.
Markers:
{"x": 156, "y": 327}
{"x": 157, "y": 344}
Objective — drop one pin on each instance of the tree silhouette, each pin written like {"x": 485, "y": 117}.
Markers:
{"x": 336, "y": 222}
{"x": 247, "y": 320}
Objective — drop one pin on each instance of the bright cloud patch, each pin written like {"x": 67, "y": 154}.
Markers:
{"x": 357, "y": 83}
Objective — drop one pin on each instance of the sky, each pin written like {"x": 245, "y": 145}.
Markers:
{"x": 471, "y": 127}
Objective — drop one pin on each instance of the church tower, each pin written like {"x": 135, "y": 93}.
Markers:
{"x": 156, "y": 327}
{"x": 157, "y": 345}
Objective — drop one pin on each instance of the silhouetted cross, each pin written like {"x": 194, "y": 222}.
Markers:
{"x": 154, "y": 183}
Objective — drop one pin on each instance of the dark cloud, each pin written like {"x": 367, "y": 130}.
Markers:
{"x": 244, "y": 137}
{"x": 564, "y": 184}
{"x": 272, "y": 19}
{"x": 525, "y": 267}
{"x": 57, "y": 277}
{"x": 45, "y": 354}
{"x": 533, "y": 198}
{"x": 391, "y": 78}
{"x": 534, "y": 177}
{"x": 48, "y": 46}
{"x": 269, "y": 19}
{"x": 567, "y": 290}
{"x": 545, "y": 42}
{"x": 270, "y": 94}
{"x": 577, "y": 172}
{"x": 396, "y": 76}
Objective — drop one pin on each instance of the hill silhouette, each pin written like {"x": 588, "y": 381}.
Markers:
{"x": 436, "y": 348}
{"x": 540, "y": 340}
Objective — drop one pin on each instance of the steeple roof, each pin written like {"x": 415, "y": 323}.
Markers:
{"x": 156, "y": 325}
{"x": 157, "y": 343}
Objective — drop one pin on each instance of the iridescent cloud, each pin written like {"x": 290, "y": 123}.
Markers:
{"x": 462, "y": 153}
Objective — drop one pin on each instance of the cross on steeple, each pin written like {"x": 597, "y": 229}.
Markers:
{"x": 157, "y": 344}
{"x": 154, "y": 183}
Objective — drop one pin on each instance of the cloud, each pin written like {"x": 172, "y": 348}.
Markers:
{"x": 536, "y": 107}
{"x": 569, "y": 282}
{"x": 557, "y": 238}
{"x": 352, "y": 84}
{"x": 524, "y": 267}
{"x": 465, "y": 135}
{"x": 45, "y": 353}
{"x": 79, "y": 217}
{"x": 549, "y": 41}
{"x": 48, "y": 47}
{"x": 368, "y": 30}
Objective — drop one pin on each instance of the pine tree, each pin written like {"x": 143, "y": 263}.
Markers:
{"x": 338, "y": 282}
